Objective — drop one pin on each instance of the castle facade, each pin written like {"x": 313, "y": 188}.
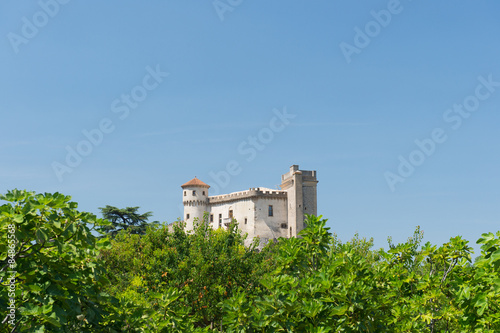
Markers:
{"x": 260, "y": 212}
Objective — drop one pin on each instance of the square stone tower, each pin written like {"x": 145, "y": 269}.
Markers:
{"x": 301, "y": 187}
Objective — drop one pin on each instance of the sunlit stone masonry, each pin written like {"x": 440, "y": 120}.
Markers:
{"x": 260, "y": 212}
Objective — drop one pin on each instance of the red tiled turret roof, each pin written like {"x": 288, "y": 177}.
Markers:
{"x": 195, "y": 182}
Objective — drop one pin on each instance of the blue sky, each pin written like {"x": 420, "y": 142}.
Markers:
{"x": 171, "y": 90}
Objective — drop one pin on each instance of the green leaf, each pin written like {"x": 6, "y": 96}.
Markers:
{"x": 47, "y": 308}
{"x": 338, "y": 310}
{"x": 18, "y": 218}
{"x": 31, "y": 310}
{"x": 59, "y": 244}
{"x": 496, "y": 286}
{"x": 481, "y": 304}
{"x": 40, "y": 329}
{"x": 34, "y": 287}
{"x": 486, "y": 237}
{"x": 495, "y": 256}
{"x": 52, "y": 319}
{"x": 57, "y": 223}
{"x": 41, "y": 236}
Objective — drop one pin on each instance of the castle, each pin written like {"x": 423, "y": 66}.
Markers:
{"x": 260, "y": 212}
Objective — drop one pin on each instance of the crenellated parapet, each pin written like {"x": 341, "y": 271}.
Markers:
{"x": 251, "y": 193}
{"x": 309, "y": 175}
{"x": 193, "y": 203}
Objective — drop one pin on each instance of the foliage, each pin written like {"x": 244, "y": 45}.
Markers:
{"x": 125, "y": 219}
{"x": 58, "y": 281}
{"x": 170, "y": 280}
{"x": 322, "y": 285}
{"x": 201, "y": 268}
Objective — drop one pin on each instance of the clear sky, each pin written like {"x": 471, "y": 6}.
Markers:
{"x": 396, "y": 104}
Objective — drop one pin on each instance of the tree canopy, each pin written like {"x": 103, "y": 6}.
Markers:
{"x": 125, "y": 219}
{"x": 48, "y": 260}
{"x": 57, "y": 276}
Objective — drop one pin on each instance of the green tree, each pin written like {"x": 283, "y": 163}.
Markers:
{"x": 125, "y": 219}
{"x": 49, "y": 255}
{"x": 322, "y": 285}
{"x": 199, "y": 269}
{"x": 478, "y": 293}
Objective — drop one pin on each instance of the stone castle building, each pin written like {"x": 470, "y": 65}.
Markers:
{"x": 260, "y": 212}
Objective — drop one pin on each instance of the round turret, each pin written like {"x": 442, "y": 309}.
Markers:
{"x": 195, "y": 200}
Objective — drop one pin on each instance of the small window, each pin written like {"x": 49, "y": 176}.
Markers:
{"x": 194, "y": 193}
{"x": 211, "y": 217}
{"x": 270, "y": 210}
{"x": 284, "y": 226}
{"x": 187, "y": 217}
{"x": 220, "y": 220}
{"x": 185, "y": 193}
{"x": 230, "y": 214}
{"x": 246, "y": 220}
{"x": 203, "y": 192}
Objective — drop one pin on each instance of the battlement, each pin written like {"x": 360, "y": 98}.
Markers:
{"x": 251, "y": 193}
{"x": 307, "y": 175}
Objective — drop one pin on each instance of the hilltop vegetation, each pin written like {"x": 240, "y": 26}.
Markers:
{"x": 166, "y": 280}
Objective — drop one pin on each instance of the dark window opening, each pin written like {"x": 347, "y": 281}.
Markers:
{"x": 194, "y": 192}
{"x": 230, "y": 214}
{"x": 270, "y": 210}
{"x": 185, "y": 193}
{"x": 211, "y": 217}
{"x": 246, "y": 220}
{"x": 284, "y": 226}
{"x": 220, "y": 220}
{"x": 187, "y": 217}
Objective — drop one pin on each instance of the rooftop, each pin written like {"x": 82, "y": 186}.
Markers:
{"x": 195, "y": 182}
